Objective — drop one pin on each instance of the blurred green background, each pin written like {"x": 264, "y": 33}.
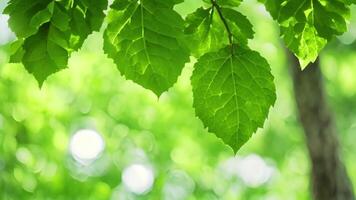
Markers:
{"x": 90, "y": 134}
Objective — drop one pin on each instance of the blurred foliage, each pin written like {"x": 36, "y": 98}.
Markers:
{"x": 188, "y": 163}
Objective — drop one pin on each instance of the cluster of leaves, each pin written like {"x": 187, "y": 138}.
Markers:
{"x": 48, "y": 31}
{"x": 150, "y": 43}
{"x": 307, "y": 25}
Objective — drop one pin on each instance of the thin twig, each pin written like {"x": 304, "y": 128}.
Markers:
{"x": 218, "y": 9}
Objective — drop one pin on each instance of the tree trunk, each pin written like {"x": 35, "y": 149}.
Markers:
{"x": 329, "y": 178}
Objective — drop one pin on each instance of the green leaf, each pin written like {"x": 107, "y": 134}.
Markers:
{"x": 206, "y": 32}
{"x": 240, "y": 26}
{"x": 349, "y": 2}
{"x": 86, "y": 16}
{"x": 145, "y": 41}
{"x": 233, "y": 93}
{"x": 308, "y": 25}
{"x": 170, "y": 3}
{"x": 16, "y": 51}
{"x": 26, "y": 16}
{"x": 49, "y": 31}
{"x": 232, "y": 3}
{"x": 42, "y": 16}
{"x": 43, "y": 56}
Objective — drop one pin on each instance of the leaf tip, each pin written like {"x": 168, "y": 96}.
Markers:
{"x": 303, "y": 64}
{"x": 234, "y": 147}
{"x": 40, "y": 84}
{"x": 235, "y": 150}
{"x": 40, "y": 80}
{"x": 158, "y": 94}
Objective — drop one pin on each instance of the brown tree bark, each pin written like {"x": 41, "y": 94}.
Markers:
{"x": 329, "y": 178}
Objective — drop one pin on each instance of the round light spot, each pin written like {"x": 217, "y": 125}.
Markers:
{"x": 178, "y": 186}
{"x": 138, "y": 178}
{"x": 252, "y": 170}
{"x": 86, "y": 145}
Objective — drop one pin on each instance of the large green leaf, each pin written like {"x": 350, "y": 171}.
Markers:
{"x": 206, "y": 32}
{"x": 307, "y": 25}
{"x": 145, "y": 41}
{"x": 233, "y": 91}
{"x": 48, "y": 31}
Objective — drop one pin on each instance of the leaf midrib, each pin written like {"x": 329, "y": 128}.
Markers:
{"x": 143, "y": 37}
{"x": 235, "y": 97}
{"x": 234, "y": 92}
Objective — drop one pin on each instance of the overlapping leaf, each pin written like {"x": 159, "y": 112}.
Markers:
{"x": 233, "y": 93}
{"x": 307, "y": 25}
{"x": 44, "y": 54}
{"x": 48, "y": 31}
{"x": 232, "y": 3}
{"x": 206, "y": 32}
{"x": 145, "y": 41}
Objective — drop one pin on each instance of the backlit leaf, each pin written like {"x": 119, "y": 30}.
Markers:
{"x": 206, "y": 32}
{"x": 145, "y": 41}
{"x": 233, "y": 92}
{"x": 307, "y": 25}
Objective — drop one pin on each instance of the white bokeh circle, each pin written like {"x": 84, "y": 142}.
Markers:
{"x": 138, "y": 178}
{"x": 86, "y": 145}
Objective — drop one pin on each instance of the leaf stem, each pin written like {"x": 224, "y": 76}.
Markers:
{"x": 211, "y": 15}
{"x": 218, "y": 9}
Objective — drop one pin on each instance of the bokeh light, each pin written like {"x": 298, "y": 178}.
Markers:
{"x": 252, "y": 169}
{"x": 178, "y": 186}
{"x": 138, "y": 178}
{"x": 86, "y": 145}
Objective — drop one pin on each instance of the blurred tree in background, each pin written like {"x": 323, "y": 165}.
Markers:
{"x": 90, "y": 134}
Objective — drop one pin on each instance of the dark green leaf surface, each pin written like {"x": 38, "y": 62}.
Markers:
{"x": 43, "y": 55}
{"x": 25, "y": 16}
{"x": 307, "y": 25}
{"x": 49, "y": 31}
{"x": 233, "y": 93}
{"x": 145, "y": 41}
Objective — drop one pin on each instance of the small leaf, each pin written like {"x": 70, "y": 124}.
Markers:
{"x": 233, "y": 93}
{"x": 206, "y": 32}
{"x": 240, "y": 26}
{"x": 145, "y": 41}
